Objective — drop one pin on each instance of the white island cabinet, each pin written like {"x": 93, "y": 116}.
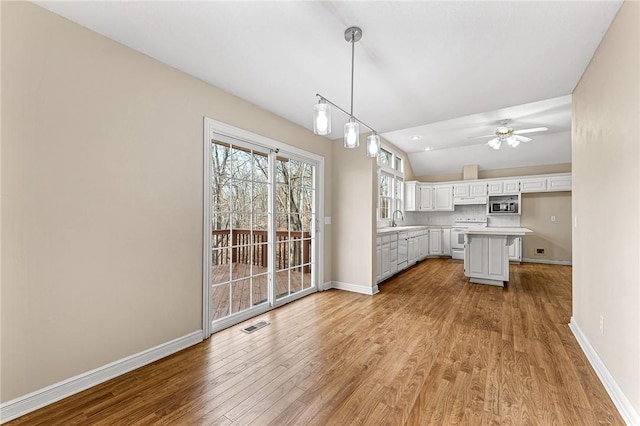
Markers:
{"x": 486, "y": 253}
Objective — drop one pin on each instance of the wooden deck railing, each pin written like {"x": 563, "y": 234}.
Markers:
{"x": 293, "y": 249}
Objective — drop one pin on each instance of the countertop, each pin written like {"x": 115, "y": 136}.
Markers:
{"x": 489, "y": 230}
{"x": 391, "y": 229}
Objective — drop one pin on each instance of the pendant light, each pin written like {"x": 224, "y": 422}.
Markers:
{"x": 373, "y": 145}
{"x": 322, "y": 110}
{"x": 322, "y": 118}
{"x": 351, "y": 134}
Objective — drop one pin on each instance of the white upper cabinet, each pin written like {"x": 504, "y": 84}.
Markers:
{"x": 433, "y": 197}
{"x": 478, "y": 189}
{"x": 511, "y": 187}
{"x": 538, "y": 184}
{"x": 426, "y": 197}
{"x": 461, "y": 190}
{"x": 504, "y": 187}
{"x": 443, "y": 197}
{"x": 410, "y": 195}
{"x": 470, "y": 189}
{"x": 559, "y": 183}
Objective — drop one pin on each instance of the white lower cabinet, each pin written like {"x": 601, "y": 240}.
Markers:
{"x": 419, "y": 245}
{"x": 484, "y": 257}
{"x": 386, "y": 256}
{"x": 378, "y": 259}
{"x": 435, "y": 241}
{"x": 446, "y": 242}
{"x": 423, "y": 241}
{"x": 515, "y": 250}
{"x": 413, "y": 248}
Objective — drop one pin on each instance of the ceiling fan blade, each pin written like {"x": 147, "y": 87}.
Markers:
{"x": 493, "y": 135}
{"x": 532, "y": 130}
{"x": 522, "y": 138}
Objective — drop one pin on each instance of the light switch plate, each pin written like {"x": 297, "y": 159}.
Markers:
{"x": 327, "y": 220}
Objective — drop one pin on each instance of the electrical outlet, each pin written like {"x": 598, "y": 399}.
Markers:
{"x": 602, "y": 324}
{"x": 539, "y": 251}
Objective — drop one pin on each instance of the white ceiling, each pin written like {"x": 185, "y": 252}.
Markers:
{"x": 418, "y": 67}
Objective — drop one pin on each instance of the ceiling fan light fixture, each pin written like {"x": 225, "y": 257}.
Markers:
{"x": 494, "y": 143}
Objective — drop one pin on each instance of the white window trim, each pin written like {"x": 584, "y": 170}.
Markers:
{"x": 397, "y": 175}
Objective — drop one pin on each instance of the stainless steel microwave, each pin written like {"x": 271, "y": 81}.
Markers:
{"x": 505, "y": 207}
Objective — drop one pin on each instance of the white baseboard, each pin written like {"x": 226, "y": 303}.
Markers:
{"x": 549, "y": 262}
{"x": 355, "y": 288}
{"x": 326, "y": 286}
{"x": 622, "y": 403}
{"x": 25, "y": 404}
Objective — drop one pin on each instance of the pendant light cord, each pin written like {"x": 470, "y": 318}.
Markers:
{"x": 352, "y": 66}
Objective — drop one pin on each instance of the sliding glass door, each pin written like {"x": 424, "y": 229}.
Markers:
{"x": 263, "y": 223}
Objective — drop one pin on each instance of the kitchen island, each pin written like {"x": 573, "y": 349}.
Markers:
{"x": 486, "y": 253}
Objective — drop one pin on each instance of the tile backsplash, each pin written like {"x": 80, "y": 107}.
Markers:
{"x": 447, "y": 218}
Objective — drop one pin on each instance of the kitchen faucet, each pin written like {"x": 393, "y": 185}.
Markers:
{"x": 393, "y": 217}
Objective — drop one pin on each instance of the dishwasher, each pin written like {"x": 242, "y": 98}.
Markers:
{"x": 403, "y": 254}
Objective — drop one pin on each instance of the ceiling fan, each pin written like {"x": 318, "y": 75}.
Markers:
{"x": 510, "y": 136}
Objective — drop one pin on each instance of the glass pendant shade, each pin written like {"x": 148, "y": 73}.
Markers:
{"x": 373, "y": 145}
{"x": 322, "y": 118}
{"x": 351, "y": 134}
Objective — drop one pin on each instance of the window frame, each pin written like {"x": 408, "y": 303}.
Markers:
{"x": 397, "y": 176}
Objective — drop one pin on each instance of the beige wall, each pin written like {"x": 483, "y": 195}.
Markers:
{"x": 501, "y": 173}
{"x": 606, "y": 189}
{"x": 354, "y": 220}
{"x": 552, "y": 236}
{"x": 102, "y": 197}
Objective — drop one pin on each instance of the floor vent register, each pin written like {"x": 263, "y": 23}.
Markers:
{"x": 256, "y": 326}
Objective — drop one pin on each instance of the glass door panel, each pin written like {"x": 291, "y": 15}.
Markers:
{"x": 240, "y": 223}
{"x": 258, "y": 195}
{"x": 295, "y": 234}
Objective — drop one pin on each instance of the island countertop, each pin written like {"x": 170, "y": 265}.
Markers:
{"x": 489, "y": 230}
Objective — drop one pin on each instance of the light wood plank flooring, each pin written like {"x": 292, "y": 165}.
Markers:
{"x": 430, "y": 348}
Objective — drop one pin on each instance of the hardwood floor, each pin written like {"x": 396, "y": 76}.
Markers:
{"x": 430, "y": 348}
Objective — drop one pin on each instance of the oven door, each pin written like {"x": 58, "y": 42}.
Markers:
{"x": 457, "y": 238}
{"x": 457, "y": 243}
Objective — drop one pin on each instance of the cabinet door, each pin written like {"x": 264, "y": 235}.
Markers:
{"x": 443, "y": 197}
{"x": 426, "y": 197}
{"x": 559, "y": 183}
{"x": 378, "y": 263}
{"x": 511, "y": 187}
{"x": 514, "y": 250}
{"x": 393, "y": 258}
{"x": 435, "y": 241}
{"x": 533, "y": 185}
{"x": 411, "y": 251}
{"x": 424, "y": 245}
{"x": 478, "y": 189}
{"x": 461, "y": 190}
{"x": 386, "y": 267}
{"x": 495, "y": 188}
{"x": 410, "y": 194}
{"x": 446, "y": 242}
